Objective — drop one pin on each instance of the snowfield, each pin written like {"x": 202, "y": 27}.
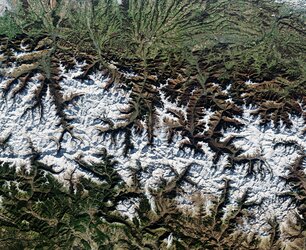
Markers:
{"x": 39, "y": 130}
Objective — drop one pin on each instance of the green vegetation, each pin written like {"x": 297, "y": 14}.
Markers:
{"x": 211, "y": 41}
{"x": 8, "y": 27}
{"x": 228, "y": 39}
{"x": 38, "y": 212}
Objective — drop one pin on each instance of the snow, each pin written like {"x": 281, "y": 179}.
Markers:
{"x": 4, "y": 5}
{"x": 128, "y": 207}
{"x": 98, "y": 109}
{"x": 294, "y": 3}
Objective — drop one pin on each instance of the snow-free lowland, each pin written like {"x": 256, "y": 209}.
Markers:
{"x": 40, "y": 130}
